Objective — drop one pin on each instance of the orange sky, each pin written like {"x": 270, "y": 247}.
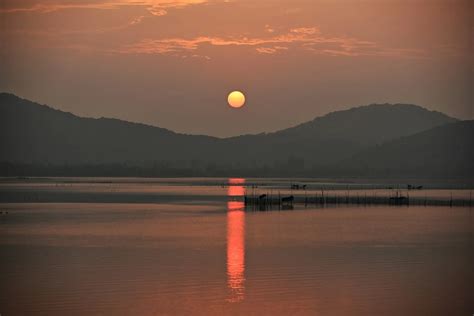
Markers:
{"x": 171, "y": 63}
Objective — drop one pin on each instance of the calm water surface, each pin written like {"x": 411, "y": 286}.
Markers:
{"x": 182, "y": 247}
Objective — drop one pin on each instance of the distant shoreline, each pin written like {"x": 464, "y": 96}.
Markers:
{"x": 401, "y": 182}
{"x": 24, "y": 171}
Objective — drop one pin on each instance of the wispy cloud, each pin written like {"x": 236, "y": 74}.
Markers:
{"x": 305, "y": 30}
{"x": 155, "y": 7}
{"x": 174, "y": 45}
{"x": 269, "y": 29}
{"x": 272, "y": 41}
{"x": 136, "y": 20}
{"x": 61, "y": 33}
{"x": 303, "y": 38}
{"x": 270, "y": 50}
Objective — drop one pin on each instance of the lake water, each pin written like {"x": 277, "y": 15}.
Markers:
{"x": 187, "y": 246}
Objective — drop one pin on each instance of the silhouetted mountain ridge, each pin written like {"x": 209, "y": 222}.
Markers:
{"x": 13, "y": 105}
{"x": 36, "y": 134}
{"x": 446, "y": 150}
{"x": 359, "y": 123}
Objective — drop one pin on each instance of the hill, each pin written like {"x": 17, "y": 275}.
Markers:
{"x": 34, "y": 133}
{"x": 444, "y": 151}
{"x": 38, "y": 135}
{"x": 340, "y": 134}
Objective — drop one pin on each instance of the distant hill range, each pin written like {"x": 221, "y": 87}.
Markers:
{"x": 443, "y": 151}
{"x": 375, "y": 140}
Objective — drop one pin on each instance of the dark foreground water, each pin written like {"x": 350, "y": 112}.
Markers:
{"x": 185, "y": 247}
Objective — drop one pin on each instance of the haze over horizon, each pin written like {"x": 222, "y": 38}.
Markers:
{"x": 171, "y": 63}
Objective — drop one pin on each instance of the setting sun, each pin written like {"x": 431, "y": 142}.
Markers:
{"x": 236, "y": 99}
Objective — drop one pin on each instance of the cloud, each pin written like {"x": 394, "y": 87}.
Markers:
{"x": 307, "y": 39}
{"x": 270, "y": 50}
{"x": 305, "y": 30}
{"x": 166, "y": 45}
{"x": 161, "y": 7}
{"x": 266, "y": 50}
{"x": 269, "y": 29}
{"x": 136, "y": 20}
{"x": 154, "y": 7}
{"x": 273, "y": 40}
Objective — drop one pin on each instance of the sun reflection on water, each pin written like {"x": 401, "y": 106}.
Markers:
{"x": 236, "y": 241}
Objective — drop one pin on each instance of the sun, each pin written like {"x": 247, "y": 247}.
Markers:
{"x": 236, "y": 99}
